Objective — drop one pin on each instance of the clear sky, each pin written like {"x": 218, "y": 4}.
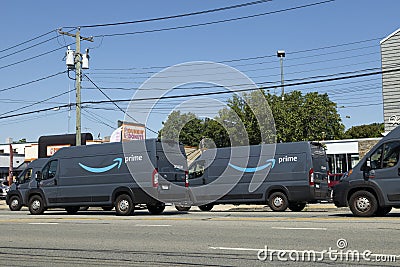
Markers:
{"x": 335, "y": 37}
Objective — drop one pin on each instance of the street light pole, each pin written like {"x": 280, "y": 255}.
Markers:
{"x": 281, "y": 54}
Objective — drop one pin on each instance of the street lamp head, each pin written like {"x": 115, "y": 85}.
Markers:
{"x": 280, "y": 53}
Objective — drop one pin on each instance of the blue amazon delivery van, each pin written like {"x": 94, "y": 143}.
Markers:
{"x": 112, "y": 175}
{"x": 283, "y": 175}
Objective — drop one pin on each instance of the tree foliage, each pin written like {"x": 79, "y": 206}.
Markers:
{"x": 298, "y": 117}
{"x": 365, "y": 131}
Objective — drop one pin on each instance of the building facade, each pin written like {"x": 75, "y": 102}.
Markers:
{"x": 390, "y": 53}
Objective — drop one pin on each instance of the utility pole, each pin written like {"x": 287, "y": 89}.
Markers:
{"x": 11, "y": 167}
{"x": 77, "y": 65}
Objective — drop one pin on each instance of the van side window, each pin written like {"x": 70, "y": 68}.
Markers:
{"x": 49, "y": 171}
{"x": 25, "y": 176}
{"x": 391, "y": 154}
{"x": 376, "y": 159}
{"x": 386, "y": 156}
{"x": 197, "y": 169}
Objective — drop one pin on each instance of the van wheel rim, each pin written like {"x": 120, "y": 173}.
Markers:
{"x": 14, "y": 203}
{"x": 278, "y": 202}
{"x": 363, "y": 204}
{"x": 123, "y": 205}
{"x": 36, "y": 205}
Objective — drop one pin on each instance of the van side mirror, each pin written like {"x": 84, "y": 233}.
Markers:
{"x": 38, "y": 176}
{"x": 368, "y": 163}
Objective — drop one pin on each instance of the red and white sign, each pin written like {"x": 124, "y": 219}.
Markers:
{"x": 51, "y": 150}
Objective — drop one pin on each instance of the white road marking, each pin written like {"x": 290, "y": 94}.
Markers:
{"x": 44, "y": 223}
{"x": 300, "y": 228}
{"x": 153, "y": 225}
{"x": 237, "y": 249}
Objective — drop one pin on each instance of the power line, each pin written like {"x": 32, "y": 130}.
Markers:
{"x": 28, "y": 41}
{"x": 34, "y": 81}
{"x": 351, "y": 76}
{"x": 255, "y": 57}
{"x": 216, "y": 22}
{"x": 175, "y": 16}
{"x": 39, "y": 102}
{"x": 28, "y": 59}
{"x": 115, "y": 104}
{"x": 27, "y": 48}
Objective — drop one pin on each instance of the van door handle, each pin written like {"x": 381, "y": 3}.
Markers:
{"x": 55, "y": 182}
{"x": 398, "y": 171}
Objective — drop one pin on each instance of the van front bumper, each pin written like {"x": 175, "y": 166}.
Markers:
{"x": 340, "y": 192}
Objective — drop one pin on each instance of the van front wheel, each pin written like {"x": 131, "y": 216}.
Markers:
{"x": 123, "y": 205}
{"x": 15, "y": 203}
{"x": 278, "y": 201}
{"x": 36, "y": 205}
{"x": 363, "y": 203}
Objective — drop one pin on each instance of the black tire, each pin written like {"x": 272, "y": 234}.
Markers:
{"x": 107, "y": 208}
{"x": 123, "y": 205}
{"x": 182, "y": 208}
{"x": 156, "y": 209}
{"x": 15, "y": 203}
{"x": 363, "y": 204}
{"x": 36, "y": 205}
{"x": 297, "y": 207}
{"x": 383, "y": 211}
{"x": 278, "y": 201}
{"x": 72, "y": 210}
{"x": 206, "y": 207}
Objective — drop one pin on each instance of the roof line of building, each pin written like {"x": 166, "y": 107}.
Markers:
{"x": 390, "y": 36}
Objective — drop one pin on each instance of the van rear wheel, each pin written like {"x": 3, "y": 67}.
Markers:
{"x": 123, "y": 205}
{"x": 296, "y": 207}
{"x": 206, "y": 207}
{"x": 36, "y": 205}
{"x": 363, "y": 203}
{"x": 156, "y": 209}
{"x": 72, "y": 210}
{"x": 278, "y": 201}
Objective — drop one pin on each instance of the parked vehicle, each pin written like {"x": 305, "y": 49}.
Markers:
{"x": 3, "y": 189}
{"x": 296, "y": 174}
{"x": 372, "y": 187}
{"x": 99, "y": 175}
{"x": 24, "y": 183}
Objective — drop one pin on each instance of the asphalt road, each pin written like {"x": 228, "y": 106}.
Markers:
{"x": 224, "y": 237}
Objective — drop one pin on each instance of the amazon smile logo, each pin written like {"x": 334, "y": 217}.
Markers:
{"x": 269, "y": 163}
{"x": 118, "y": 162}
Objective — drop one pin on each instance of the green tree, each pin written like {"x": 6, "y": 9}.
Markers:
{"x": 183, "y": 127}
{"x": 365, "y": 131}
{"x": 298, "y": 117}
